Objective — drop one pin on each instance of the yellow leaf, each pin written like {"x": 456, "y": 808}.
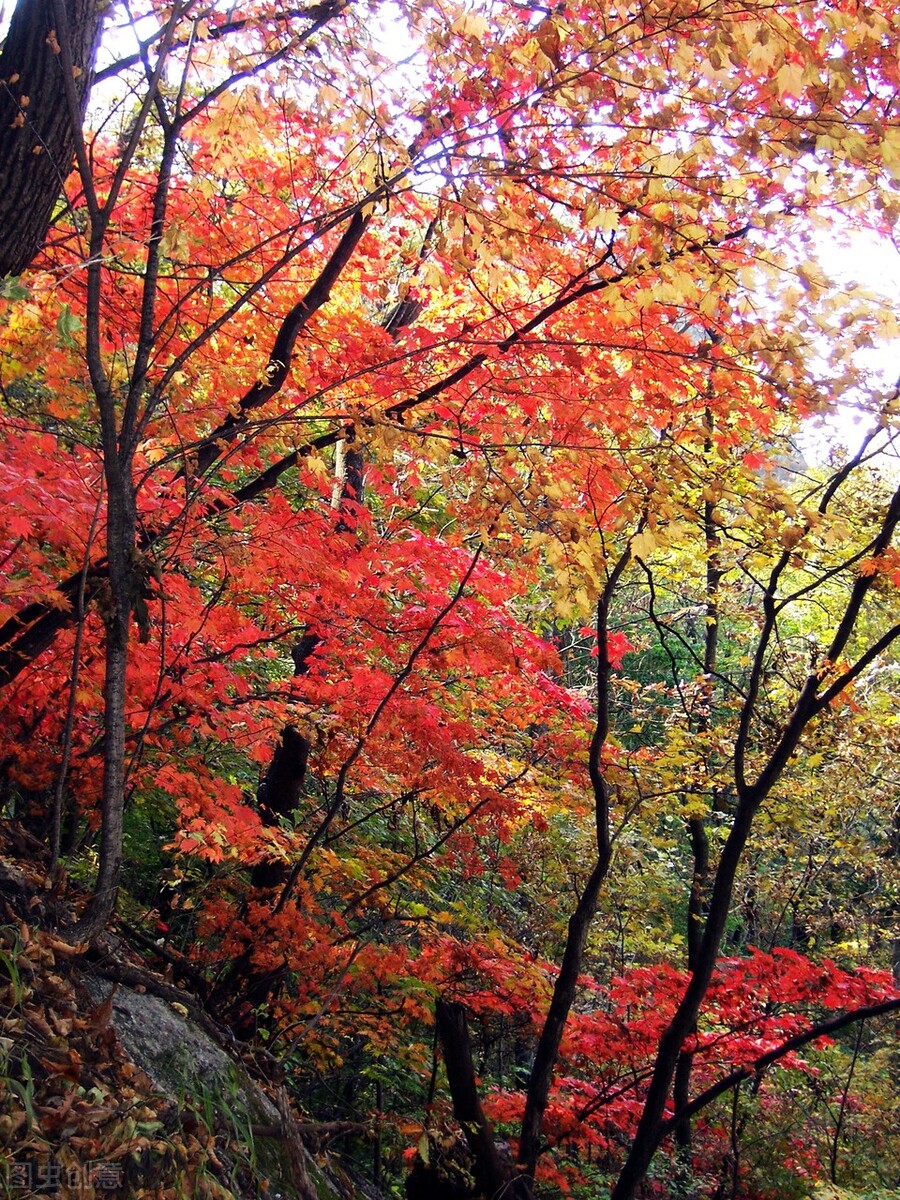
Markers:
{"x": 471, "y": 26}
{"x": 174, "y": 244}
{"x": 548, "y": 39}
{"x": 789, "y": 80}
{"x": 643, "y": 544}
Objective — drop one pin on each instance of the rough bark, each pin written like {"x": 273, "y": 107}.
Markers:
{"x": 37, "y": 136}
{"x": 279, "y": 792}
{"x": 349, "y": 484}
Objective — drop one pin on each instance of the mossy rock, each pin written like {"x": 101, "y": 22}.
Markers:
{"x": 185, "y": 1064}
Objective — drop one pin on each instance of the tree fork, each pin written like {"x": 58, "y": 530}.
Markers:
{"x": 28, "y": 633}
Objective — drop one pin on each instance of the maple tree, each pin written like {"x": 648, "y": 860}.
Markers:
{"x": 339, "y": 395}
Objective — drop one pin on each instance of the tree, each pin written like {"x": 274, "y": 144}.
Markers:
{"x": 532, "y": 285}
{"x": 43, "y": 95}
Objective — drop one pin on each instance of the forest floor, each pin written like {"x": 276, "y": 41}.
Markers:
{"x": 81, "y": 1120}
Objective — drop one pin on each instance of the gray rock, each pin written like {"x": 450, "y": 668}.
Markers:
{"x": 179, "y": 1058}
{"x": 185, "y": 1064}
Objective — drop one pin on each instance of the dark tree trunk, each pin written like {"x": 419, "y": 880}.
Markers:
{"x": 279, "y": 795}
{"x": 494, "y": 1175}
{"x": 350, "y": 470}
{"x": 894, "y": 855}
{"x": 120, "y": 527}
{"x": 36, "y": 134}
{"x": 542, "y": 1072}
{"x": 696, "y": 912}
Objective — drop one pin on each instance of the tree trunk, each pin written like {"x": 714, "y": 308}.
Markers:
{"x": 697, "y": 825}
{"x": 36, "y": 134}
{"x": 493, "y": 1175}
{"x": 117, "y": 619}
{"x": 547, "y": 1052}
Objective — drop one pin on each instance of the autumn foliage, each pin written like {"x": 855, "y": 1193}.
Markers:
{"x": 425, "y": 611}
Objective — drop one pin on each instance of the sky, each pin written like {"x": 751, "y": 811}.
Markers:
{"x": 875, "y": 263}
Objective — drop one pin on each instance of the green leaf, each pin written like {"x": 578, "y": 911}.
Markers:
{"x": 12, "y": 289}
{"x": 67, "y": 325}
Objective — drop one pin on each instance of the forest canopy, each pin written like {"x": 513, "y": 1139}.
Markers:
{"x": 425, "y": 627}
